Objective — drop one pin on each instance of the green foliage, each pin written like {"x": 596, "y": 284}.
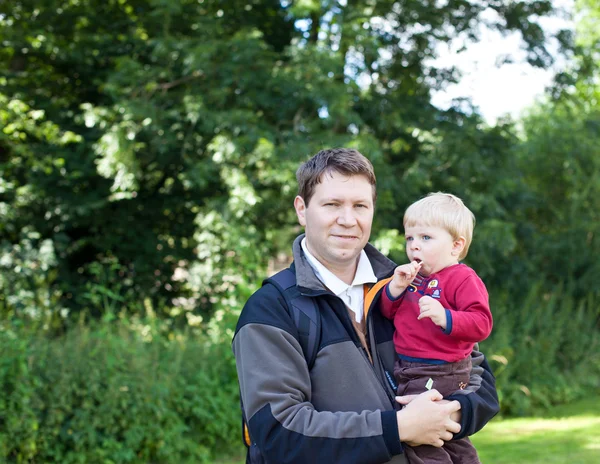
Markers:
{"x": 560, "y": 221}
{"x": 115, "y": 393}
{"x": 147, "y": 158}
{"x": 153, "y": 144}
{"x": 545, "y": 349}
{"x": 136, "y": 391}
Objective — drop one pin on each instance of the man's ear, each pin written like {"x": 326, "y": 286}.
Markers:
{"x": 458, "y": 246}
{"x": 300, "y": 207}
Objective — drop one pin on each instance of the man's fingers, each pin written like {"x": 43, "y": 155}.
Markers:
{"x": 453, "y": 427}
{"x": 438, "y": 443}
{"x": 434, "y": 395}
{"x": 405, "y": 399}
{"x": 454, "y": 406}
{"x": 446, "y": 436}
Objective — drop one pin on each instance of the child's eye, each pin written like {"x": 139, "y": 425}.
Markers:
{"x": 409, "y": 239}
{"x": 426, "y": 237}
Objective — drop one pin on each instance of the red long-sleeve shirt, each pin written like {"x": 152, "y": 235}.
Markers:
{"x": 469, "y": 319}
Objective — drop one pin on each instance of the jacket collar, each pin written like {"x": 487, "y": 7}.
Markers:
{"x": 305, "y": 275}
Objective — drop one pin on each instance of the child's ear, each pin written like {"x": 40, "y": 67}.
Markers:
{"x": 458, "y": 246}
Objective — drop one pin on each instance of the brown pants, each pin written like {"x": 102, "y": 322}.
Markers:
{"x": 411, "y": 378}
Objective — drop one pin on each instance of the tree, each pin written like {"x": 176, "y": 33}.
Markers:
{"x": 561, "y": 165}
{"x": 189, "y": 119}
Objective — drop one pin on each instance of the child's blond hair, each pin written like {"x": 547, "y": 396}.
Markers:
{"x": 443, "y": 210}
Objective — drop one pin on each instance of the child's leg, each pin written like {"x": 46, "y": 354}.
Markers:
{"x": 453, "y": 452}
{"x": 426, "y": 455}
{"x": 462, "y": 452}
{"x": 412, "y": 377}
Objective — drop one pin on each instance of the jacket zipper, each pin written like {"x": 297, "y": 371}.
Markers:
{"x": 360, "y": 347}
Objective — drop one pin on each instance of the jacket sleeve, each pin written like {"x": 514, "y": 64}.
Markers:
{"x": 275, "y": 389}
{"x": 479, "y": 401}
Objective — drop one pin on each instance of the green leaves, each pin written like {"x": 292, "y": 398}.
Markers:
{"x": 163, "y": 137}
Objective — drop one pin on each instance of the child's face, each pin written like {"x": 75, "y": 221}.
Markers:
{"x": 433, "y": 247}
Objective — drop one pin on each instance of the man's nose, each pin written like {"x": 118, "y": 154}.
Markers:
{"x": 347, "y": 217}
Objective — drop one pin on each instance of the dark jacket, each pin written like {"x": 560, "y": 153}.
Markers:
{"x": 343, "y": 409}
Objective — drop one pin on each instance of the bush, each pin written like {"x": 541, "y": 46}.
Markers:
{"x": 544, "y": 350}
{"x": 109, "y": 394}
{"x": 133, "y": 392}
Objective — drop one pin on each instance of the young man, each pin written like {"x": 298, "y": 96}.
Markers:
{"x": 343, "y": 409}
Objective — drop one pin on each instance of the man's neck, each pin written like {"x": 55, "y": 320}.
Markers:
{"x": 346, "y": 274}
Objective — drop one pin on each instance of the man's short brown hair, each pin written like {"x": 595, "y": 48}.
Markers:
{"x": 346, "y": 161}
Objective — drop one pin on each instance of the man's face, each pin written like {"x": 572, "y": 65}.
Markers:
{"x": 338, "y": 220}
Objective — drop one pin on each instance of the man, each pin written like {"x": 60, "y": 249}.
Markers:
{"x": 343, "y": 409}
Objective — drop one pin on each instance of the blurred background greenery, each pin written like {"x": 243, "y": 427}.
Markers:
{"x": 147, "y": 159}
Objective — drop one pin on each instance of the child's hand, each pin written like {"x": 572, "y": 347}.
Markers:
{"x": 403, "y": 277}
{"x": 432, "y": 309}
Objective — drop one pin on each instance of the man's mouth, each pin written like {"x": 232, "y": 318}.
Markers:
{"x": 346, "y": 237}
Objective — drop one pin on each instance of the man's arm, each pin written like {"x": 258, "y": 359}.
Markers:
{"x": 479, "y": 401}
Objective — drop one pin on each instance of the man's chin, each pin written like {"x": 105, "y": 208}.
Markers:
{"x": 347, "y": 254}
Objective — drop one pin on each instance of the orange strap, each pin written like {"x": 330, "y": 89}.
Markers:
{"x": 371, "y": 292}
{"x": 247, "y": 439}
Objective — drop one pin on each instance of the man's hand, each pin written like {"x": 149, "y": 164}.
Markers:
{"x": 403, "y": 277}
{"x": 427, "y": 421}
{"x": 433, "y": 309}
{"x": 456, "y": 416}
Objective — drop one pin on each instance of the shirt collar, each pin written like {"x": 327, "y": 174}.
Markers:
{"x": 364, "y": 272}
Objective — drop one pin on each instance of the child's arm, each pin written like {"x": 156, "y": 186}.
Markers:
{"x": 471, "y": 321}
{"x": 432, "y": 309}
{"x": 403, "y": 277}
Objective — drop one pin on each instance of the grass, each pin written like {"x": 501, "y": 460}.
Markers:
{"x": 567, "y": 434}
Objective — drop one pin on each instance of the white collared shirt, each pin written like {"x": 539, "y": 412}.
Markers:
{"x": 353, "y": 295}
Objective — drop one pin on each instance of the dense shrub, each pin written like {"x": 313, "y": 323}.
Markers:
{"x": 111, "y": 394}
{"x": 545, "y": 349}
{"x": 126, "y": 392}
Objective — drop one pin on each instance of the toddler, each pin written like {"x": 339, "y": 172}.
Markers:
{"x": 440, "y": 309}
